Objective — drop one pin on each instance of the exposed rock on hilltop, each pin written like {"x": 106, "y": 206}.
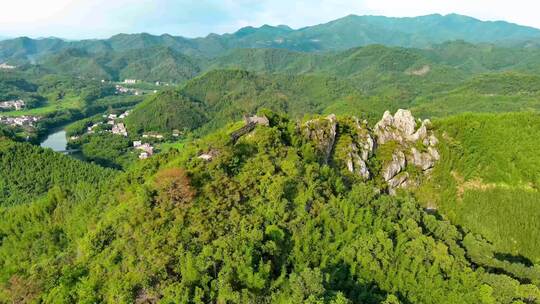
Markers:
{"x": 323, "y": 133}
{"x": 408, "y": 145}
{"x": 404, "y": 147}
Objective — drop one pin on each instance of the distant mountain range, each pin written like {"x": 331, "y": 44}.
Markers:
{"x": 348, "y": 32}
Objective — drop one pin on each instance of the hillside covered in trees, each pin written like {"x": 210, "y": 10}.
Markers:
{"x": 269, "y": 219}
{"x": 320, "y": 195}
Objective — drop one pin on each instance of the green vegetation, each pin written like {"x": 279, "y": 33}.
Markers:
{"x": 28, "y": 172}
{"x": 488, "y": 179}
{"x": 269, "y": 218}
{"x": 165, "y": 112}
{"x": 107, "y": 150}
{"x": 264, "y": 221}
{"x": 218, "y": 97}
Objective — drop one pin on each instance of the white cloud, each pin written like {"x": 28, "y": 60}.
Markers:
{"x": 101, "y": 18}
{"x": 518, "y": 11}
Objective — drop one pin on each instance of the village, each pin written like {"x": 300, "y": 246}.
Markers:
{"x": 16, "y": 105}
{"x": 19, "y": 121}
{"x": 118, "y": 127}
{"x": 122, "y": 88}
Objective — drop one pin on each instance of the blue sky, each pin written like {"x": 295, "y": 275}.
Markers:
{"x": 76, "y": 19}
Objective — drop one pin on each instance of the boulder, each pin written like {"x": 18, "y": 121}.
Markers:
{"x": 399, "y": 181}
{"x": 423, "y": 161}
{"x": 404, "y": 122}
{"x": 395, "y": 166}
{"x": 365, "y": 140}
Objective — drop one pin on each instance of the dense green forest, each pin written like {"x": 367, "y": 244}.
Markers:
{"x": 28, "y": 172}
{"x": 488, "y": 181}
{"x": 255, "y": 224}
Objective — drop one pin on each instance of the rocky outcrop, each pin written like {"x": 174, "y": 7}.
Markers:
{"x": 400, "y": 128}
{"x": 399, "y": 181}
{"x": 360, "y": 150}
{"x": 323, "y": 133}
{"x": 395, "y": 166}
{"x": 403, "y": 141}
{"x": 356, "y": 163}
{"x": 415, "y": 146}
{"x": 250, "y": 123}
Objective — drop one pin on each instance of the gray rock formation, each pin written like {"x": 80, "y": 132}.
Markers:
{"x": 365, "y": 140}
{"x": 399, "y": 181}
{"x": 323, "y": 133}
{"x": 412, "y": 141}
{"x": 401, "y": 128}
{"x": 356, "y": 162}
{"x": 395, "y": 166}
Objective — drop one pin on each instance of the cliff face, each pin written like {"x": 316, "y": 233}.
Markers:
{"x": 403, "y": 148}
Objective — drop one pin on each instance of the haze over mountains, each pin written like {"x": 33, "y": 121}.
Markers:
{"x": 341, "y": 34}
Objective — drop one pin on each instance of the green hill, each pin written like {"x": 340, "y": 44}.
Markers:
{"x": 167, "y": 111}
{"x": 488, "y": 181}
{"x": 377, "y": 85}
{"x": 28, "y": 172}
{"x": 265, "y": 221}
{"x": 496, "y": 92}
{"x": 152, "y": 64}
{"x": 221, "y": 96}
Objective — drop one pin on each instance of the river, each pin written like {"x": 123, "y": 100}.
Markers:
{"x": 56, "y": 141}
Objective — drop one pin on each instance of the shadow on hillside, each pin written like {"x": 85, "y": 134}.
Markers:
{"x": 507, "y": 257}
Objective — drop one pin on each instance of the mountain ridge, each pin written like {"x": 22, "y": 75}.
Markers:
{"x": 340, "y": 34}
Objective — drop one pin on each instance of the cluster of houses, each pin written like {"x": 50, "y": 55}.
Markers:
{"x": 118, "y": 128}
{"x": 161, "y": 83}
{"x": 153, "y": 135}
{"x": 123, "y": 90}
{"x": 5, "y": 66}
{"x": 146, "y": 149}
{"x": 17, "y": 105}
{"x": 20, "y": 121}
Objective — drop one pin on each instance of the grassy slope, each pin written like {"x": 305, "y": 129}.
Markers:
{"x": 489, "y": 177}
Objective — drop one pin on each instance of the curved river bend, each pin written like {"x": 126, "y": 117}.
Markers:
{"x": 56, "y": 141}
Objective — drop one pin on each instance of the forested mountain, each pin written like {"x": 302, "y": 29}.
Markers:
{"x": 221, "y": 96}
{"x": 488, "y": 179}
{"x": 446, "y": 62}
{"x": 349, "y": 32}
{"x": 266, "y": 220}
{"x": 152, "y": 64}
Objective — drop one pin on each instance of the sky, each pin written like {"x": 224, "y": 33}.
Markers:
{"x": 83, "y": 19}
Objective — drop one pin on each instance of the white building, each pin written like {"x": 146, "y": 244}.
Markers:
{"x": 18, "y": 104}
{"x": 143, "y": 155}
{"x": 5, "y": 66}
{"x": 120, "y": 129}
